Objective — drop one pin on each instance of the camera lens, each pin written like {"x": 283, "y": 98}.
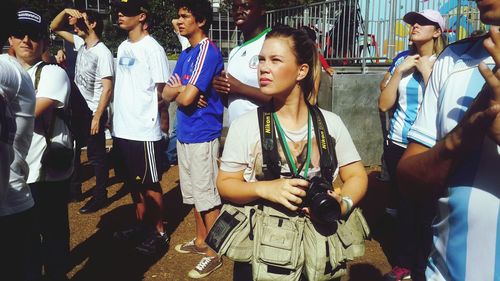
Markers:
{"x": 325, "y": 208}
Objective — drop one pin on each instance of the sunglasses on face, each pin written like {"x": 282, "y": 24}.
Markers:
{"x": 32, "y": 35}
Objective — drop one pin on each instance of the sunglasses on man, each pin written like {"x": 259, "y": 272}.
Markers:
{"x": 32, "y": 34}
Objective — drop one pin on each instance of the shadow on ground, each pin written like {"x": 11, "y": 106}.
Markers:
{"x": 107, "y": 259}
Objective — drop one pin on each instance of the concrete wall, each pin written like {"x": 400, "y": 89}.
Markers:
{"x": 354, "y": 98}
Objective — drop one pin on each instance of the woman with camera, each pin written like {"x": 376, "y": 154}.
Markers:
{"x": 288, "y": 68}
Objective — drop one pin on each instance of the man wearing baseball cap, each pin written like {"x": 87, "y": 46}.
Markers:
{"x": 130, "y": 8}
{"x": 49, "y": 186}
{"x": 141, "y": 74}
{"x": 17, "y": 107}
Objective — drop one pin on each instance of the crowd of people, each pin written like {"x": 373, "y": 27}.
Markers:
{"x": 442, "y": 147}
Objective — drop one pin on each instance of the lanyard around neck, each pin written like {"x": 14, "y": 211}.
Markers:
{"x": 288, "y": 155}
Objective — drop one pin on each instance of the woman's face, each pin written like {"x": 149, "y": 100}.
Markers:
{"x": 279, "y": 71}
{"x": 421, "y": 33}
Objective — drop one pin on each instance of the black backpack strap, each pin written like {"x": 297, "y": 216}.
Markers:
{"x": 271, "y": 164}
{"x": 38, "y": 73}
{"x": 326, "y": 144}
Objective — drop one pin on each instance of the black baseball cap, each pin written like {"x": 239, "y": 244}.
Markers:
{"x": 131, "y": 8}
{"x": 30, "y": 23}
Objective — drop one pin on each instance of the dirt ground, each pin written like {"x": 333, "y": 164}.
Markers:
{"x": 95, "y": 256}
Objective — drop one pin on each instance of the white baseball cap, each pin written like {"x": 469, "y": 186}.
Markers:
{"x": 425, "y": 15}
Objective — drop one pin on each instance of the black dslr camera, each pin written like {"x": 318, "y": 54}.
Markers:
{"x": 322, "y": 206}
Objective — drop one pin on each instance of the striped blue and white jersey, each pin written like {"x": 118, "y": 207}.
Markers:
{"x": 466, "y": 230}
{"x": 410, "y": 94}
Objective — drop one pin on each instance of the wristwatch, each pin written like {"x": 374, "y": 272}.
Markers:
{"x": 348, "y": 204}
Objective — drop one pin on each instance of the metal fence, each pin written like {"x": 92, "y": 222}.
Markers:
{"x": 373, "y": 31}
{"x": 350, "y": 32}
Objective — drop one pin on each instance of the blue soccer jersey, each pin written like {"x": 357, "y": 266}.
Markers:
{"x": 410, "y": 95}
{"x": 197, "y": 66}
{"x": 466, "y": 230}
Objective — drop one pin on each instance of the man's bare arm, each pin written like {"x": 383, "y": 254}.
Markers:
{"x": 107, "y": 88}
{"x": 58, "y": 23}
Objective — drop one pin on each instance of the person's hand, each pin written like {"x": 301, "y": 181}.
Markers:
{"x": 73, "y": 13}
{"x": 60, "y": 57}
{"x": 94, "y": 125}
{"x": 424, "y": 65}
{"x": 287, "y": 192}
{"x": 175, "y": 26}
{"x": 330, "y": 71}
{"x": 492, "y": 111}
{"x": 408, "y": 64}
{"x": 221, "y": 83}
{"x": 334, "y": 195}
{"x": 174, "y": 81}
{"x": 202, "y": 102}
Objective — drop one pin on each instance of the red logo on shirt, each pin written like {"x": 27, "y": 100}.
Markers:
{"x": 186, "y": 77}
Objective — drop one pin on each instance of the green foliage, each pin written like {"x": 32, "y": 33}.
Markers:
{"x": 160, "y": 19}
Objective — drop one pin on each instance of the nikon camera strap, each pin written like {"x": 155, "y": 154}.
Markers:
{"x": 271, "y": 163}
{"x": 271, "y": 166}
{"x": 326, "y": 144}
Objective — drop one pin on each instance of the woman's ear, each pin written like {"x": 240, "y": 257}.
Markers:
{"x": 437, "y": 33}
{"x": 303, "y": 70}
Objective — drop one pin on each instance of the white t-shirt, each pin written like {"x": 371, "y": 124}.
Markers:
{"x": 55, "y": 85}
{"x": 243, "y": 149}
{"x": 242, "y": 64}
{"x": 140, "y": 66}
{"x": 183, "y": 40}
{"x": 92, "y": 65}
{"x": 17, "y": 90}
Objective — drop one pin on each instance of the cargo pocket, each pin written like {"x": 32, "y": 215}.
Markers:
{"x": 338, "y": 258}
{"x": 278, "y": 252}
{"x": 317, "y": 264}
{"x": 230, "y": 221}
{"x": 353, "y": 234}
{"x": 240, "y": 249}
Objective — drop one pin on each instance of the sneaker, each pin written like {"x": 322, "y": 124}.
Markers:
{"x": 206, "y": 266}
{"x": 133, "y": 233}
{"x": 153, "y": 244}
{"x": 94, "y": 205}
{"x": 397, "y": 274}
{"x": 190, "y": 248}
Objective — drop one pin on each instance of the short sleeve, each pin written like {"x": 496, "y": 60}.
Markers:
{"x": 235, "y": 155}
{"x": 78, "y": 42}
{"x": 54, "y": 84}
{"x": 158, "y": 64}
{"x": 180, "y": 63}
{"x": 206, "y": 67}
{"x": 345, "y": 149}
{"x": 105, "y": 67}
{"x": 10, "y": 81}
